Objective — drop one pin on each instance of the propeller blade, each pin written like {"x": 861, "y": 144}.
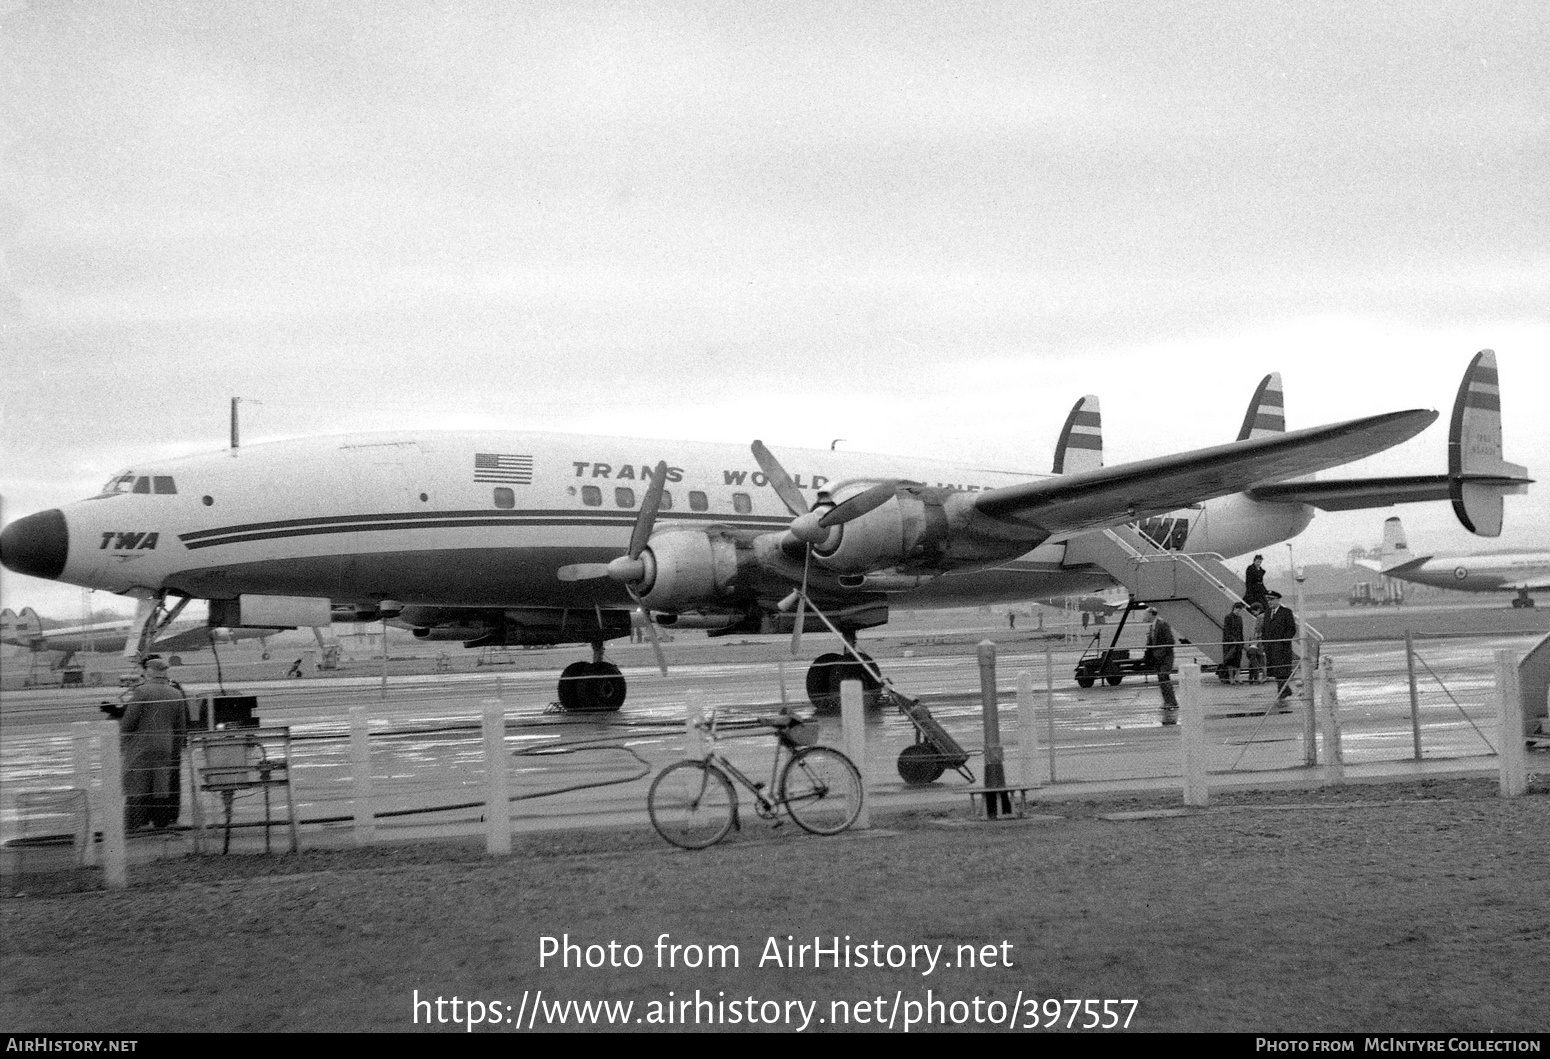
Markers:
{"x": 648, "y": 510}
{"x": 780, "y": 481}
{"x": 583, "y": 571}
{"x": 796, "y": 630}
{"x": 651, "y": 631}
{"x": 861, "y": 503}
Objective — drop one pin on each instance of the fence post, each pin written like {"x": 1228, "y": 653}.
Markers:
{"x": 1027, "y": 731}
{"x": 1049, "y": 709}
{"x": 115, "y": 857}
{"x": 1509, "y": 714}
{"x": 497, "y": 786}
{"x": 80, "y": 751}
{"x": 853, "y": 720}
{"x": 1192, "y": 735}
{"x": 990, "y": 719}
{"x": 360, "y": 778}
{"x": 1329, "y": 720}
{"x": 1415, "y": 698}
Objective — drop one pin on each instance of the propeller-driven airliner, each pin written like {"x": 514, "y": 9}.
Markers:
{"x": 521, "y": 537}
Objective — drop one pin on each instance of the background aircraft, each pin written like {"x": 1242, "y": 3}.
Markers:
{"x": 27, "y": 630}
{"x": 1520, "y": 573}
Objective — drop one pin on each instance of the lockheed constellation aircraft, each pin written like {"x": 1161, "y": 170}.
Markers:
{"x": 542, "y": 538}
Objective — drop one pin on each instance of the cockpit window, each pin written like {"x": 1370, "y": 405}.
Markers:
{"x": 129, "y": 482}
{"x": 119, "y": 483}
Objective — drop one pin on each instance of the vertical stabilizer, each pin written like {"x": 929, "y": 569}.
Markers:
{"x": 1395, "y": 550}
{"x": 28, "y": 624}
{"x": 7, "y": 625}
{"x": 1080, "y": 447}
{"x": 1478, "y": 477}
{"x": 1266, "y": 415}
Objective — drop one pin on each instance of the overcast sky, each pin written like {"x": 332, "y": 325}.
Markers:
{"x": 926, "y": 228}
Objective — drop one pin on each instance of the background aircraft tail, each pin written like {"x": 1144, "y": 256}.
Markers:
{"x": 1478, "y": 477}
{"x": 20, "y": 628}
{"x": 1080, "y": 447}
{"x": 1395, "y": 550}
{"x": 1267, "y": 413}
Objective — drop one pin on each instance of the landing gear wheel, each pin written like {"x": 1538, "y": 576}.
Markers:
{"x": 822, "y": 790}
{"x": 608, "y": 688}
{"x": 919, "y": 764}
{"x": 691, "y": 804}
{"x": 822, "y": 690}
{"x": 829, "y": 671}
{"x": 591, "y": 687}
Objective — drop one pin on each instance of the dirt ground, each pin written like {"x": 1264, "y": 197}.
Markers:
{"x": 1369, "y": 908}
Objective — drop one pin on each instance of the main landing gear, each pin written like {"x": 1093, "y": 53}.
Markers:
{"x": 1523, "y": 599}
{"x": 830, "y": 670}
{"x": 592, "y": 687}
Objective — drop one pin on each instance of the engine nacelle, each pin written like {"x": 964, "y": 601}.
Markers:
{"x": 451, "y": 632}
{"x": 688, "y": 569}
{"x": 885, "y": 536}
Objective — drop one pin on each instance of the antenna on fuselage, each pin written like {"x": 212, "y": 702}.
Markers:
{"x": 234, "y": 403}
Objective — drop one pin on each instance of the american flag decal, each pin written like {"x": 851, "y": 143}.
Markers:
{"x": 503, "y": 467}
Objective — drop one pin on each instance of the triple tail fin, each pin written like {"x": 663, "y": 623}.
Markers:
{"x": 1080, "y": 447}
{"x": 1478, "y": 477}
{"x": 1267, "y": 412}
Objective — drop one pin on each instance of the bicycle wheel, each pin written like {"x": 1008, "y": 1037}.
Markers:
{"x": 691, "y": 804}
{"x": 822, "y": 790}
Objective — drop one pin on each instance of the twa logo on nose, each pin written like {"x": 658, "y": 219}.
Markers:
{"x": 131, "y": 541}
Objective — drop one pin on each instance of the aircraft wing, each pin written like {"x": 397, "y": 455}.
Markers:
{"x": 1112, "y": 495}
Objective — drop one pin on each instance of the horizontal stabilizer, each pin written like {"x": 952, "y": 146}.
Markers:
{"x": 1152, "y": 487}
{"x": 1477, "y": 477}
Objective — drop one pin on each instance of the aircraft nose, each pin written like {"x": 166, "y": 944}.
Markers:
{"x": 37, "y": 545}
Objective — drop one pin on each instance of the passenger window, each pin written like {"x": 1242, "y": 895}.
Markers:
{"x": 667, "y": 501}
{"x": 591, "y": 496}
{"x": 624, "y": 496}
{"x": 697, "y": 501}
{"x": 505, "y": 497}
{"x": 163, "y": 484}
{"x": 742, "y": 503}
{"x": 142, "y": 484}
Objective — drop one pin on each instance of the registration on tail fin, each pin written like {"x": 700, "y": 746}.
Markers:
{"x": 1080, "y": 447}
{"x": 1267, "y": 410}
{"x": 1478, "y": 477}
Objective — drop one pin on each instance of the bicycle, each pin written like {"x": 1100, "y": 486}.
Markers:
{"x": 693, "y": 803}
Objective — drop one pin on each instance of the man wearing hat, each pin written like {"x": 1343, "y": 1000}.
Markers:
{"x": 152, "y": 732}
{"x": 1278, "y": 632}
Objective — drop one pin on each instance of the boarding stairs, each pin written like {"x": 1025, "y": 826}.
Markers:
{"x": 1193, "y": 592}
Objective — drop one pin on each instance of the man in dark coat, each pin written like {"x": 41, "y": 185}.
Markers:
{"x": 1232, "y": 642}
{"x": 152, "y": 732}
{"x": 1159, "y": 655}
{"x": 1254, "y": 578}
{"x": 1278, "y": 632}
